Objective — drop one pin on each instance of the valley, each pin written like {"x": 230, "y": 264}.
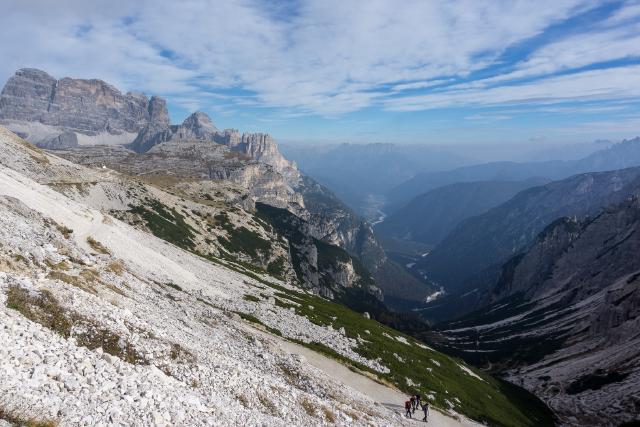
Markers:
{"x": 320, "y": 213}
{"x": 189, "y": 263}
{"x": 183, "y": 272}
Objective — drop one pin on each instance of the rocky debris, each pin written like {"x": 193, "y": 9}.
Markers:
{"x": 200, "y": 365}
{"x": 66, "y": 139}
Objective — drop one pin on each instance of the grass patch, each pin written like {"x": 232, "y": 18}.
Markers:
{"x": 43, "y": 308}
{"x": 180, "y": 354}
{"x": 268, "y": 404}
{"x": 488, "y": 400}
{"x": 308, "y": 406}
{"x": 62, "y": 265}
{"x": 251, "y": 298}
{"x": 242, "y": 239}
{"x": 97, "y": 246}
{"x": 16, "y": 419}
{"x": 174, "y": 286}
{"x": 243, "y": 400}
{"x": 115, "y": 267}
{"x": 166, "y": 223}
{"x": 84, "y": 281}
{"x": 329, "y": 415}
{"x": 65, "y": 231}
{"x": 276, "y": 268}
{"x": 253, "y": 319}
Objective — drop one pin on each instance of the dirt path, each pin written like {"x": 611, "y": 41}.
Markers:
{"x": 387, "y": 396}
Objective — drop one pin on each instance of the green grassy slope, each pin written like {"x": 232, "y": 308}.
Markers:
{"x": 415, "y": 368}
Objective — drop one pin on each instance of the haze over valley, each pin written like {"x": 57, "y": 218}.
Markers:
{"x": 320, "y": 213}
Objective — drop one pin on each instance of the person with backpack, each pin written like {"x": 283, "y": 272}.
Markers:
{"x": 413, "y": 404}
{"x": 425, "y": 409}
{"x": 418, "y": 403}
{"x": 407, "y": 407}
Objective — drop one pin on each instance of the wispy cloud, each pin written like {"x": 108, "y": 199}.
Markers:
{"x": 329, "y": 57}
{"x": 614, "y": 83}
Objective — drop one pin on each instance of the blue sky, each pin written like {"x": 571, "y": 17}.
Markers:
{"x": 458, "y": 71}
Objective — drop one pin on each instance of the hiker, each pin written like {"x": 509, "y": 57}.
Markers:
{"x": 418, "y": 403}
{"x": 413, "y": 404}
{"x": 407, "y": 407}
{"x": 425, "y": 409}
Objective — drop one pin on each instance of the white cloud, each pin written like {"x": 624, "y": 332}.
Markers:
{"x": 630, "y": 10}
{"x": 576, "y": 51}
{"x": 327, "y": 57}
{"x": 614, "y": 83}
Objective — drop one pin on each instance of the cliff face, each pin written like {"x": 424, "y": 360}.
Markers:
{"x": 327, "y": 269}
{"x": 199, "y": 126}
{"x": 42, "y": 108}
{"x": 564, "y": 317}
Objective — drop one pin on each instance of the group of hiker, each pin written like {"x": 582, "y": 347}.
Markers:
{"x": 414, "y": 403}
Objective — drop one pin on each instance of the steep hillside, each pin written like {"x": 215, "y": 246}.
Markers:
{"x": 490, "y": 238}
{"x": 563, "y": 319}
{"x": 106, "y": 323}
{"x": 210, "y": 218}
{"x": 92, "y": 123}
{"x": 429, "y": 217}
{"x": 333, "y": 222}
{"x": 619, "y": 156}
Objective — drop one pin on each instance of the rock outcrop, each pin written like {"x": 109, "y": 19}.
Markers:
{"x": 199, "y": 126}
{"x": 42, "y": 108}
{"x": 327, "y": 269}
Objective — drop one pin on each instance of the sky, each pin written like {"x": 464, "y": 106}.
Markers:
{"x": 411, "y": 71}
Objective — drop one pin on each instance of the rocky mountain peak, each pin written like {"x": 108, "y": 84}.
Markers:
{"x": 199, "y": 120}
{"x": 27, "y": 95}
{"x": 42, "y": 109}
{"x": 158, "y": 113}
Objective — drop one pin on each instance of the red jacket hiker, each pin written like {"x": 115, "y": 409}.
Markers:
{"x": 407, "y": 406}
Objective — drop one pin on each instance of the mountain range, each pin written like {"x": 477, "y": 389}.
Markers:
{"x": 197, "y": 282}
{"x": 617, "y": 156}
{"x": 169, "y": 261}
{"x": 92, "y": 122}
{"x": 467, "y": 261}
{"x": 430, "y": 217}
